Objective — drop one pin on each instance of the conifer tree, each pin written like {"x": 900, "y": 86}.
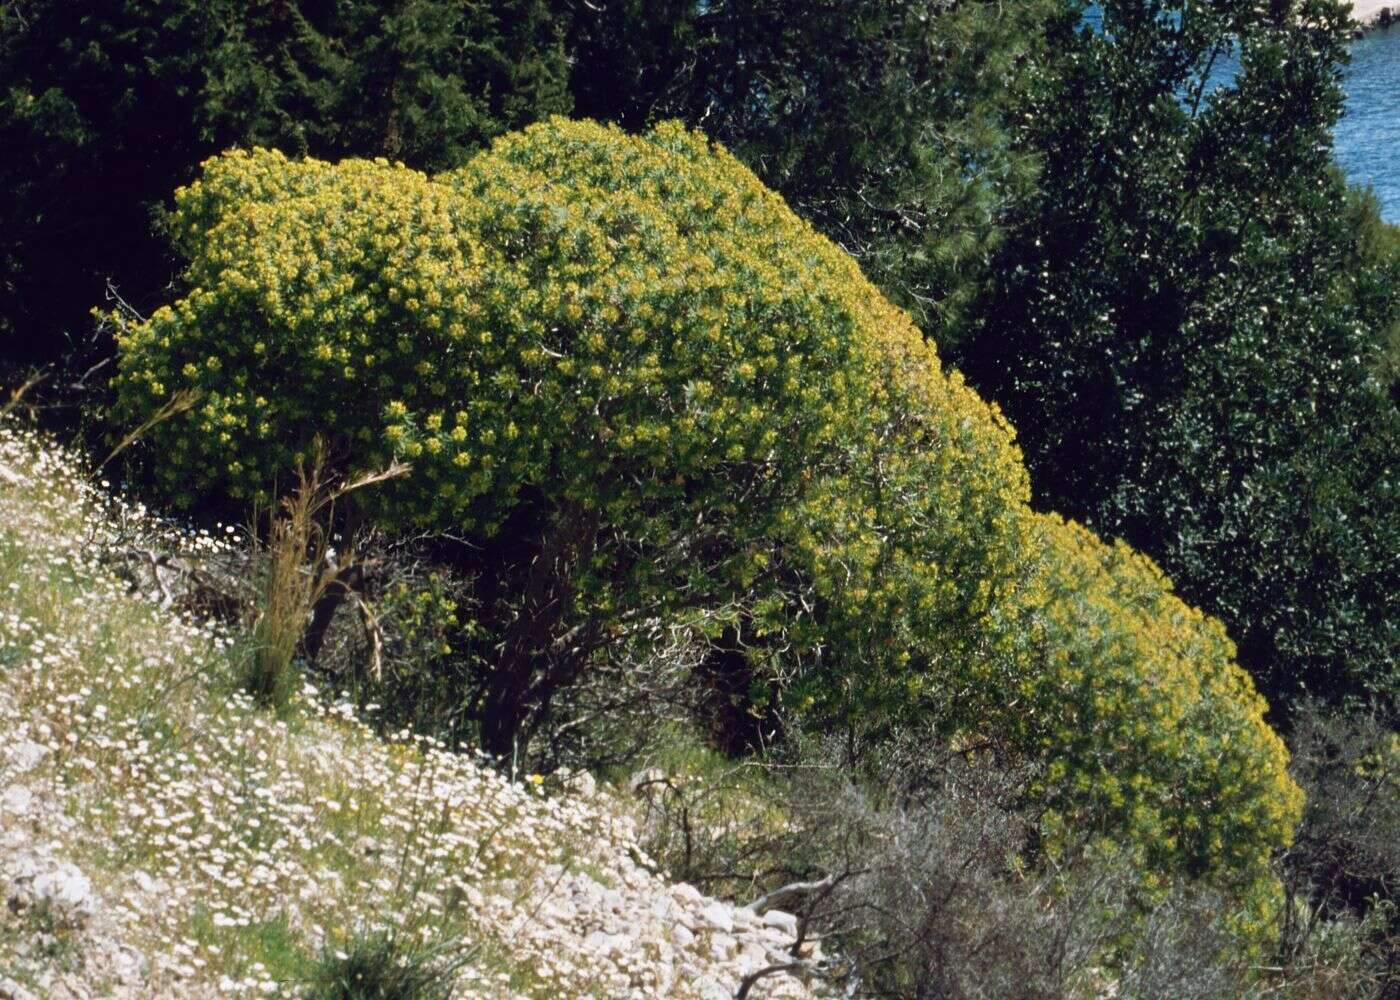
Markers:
{"x": 107, "y": 107}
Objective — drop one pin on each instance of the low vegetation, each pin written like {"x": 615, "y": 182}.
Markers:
{"x": 240, "y": 853}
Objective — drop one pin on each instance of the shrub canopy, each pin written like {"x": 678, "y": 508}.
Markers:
{"x": 1137, "y": 700}
{"x": 618, "y": 360}
{"x": 647, "y": 396}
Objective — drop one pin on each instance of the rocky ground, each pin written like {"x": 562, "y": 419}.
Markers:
{"x": 162, "y": 837}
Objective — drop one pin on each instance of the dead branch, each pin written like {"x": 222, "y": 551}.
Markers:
{"x": 797, "y": 965}
{"x": 180, "y": 402}
{"x": 17, "y": 395}
{"x": 795, "y": 892}
{"x": 373, "y": 634}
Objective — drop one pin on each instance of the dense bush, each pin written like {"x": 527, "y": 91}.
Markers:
{"x": 1094, "y": 665}
{"x": 1374, "y": 257}
{"x": 1136, "y": 699}
{"x": 885, "y": 124}
{"x": 938, "y": 895}
{"x": 620, "y": 367}
{"x": 644, "y": 396}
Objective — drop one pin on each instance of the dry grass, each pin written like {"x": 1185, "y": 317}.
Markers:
{"x": 294, "y": 568}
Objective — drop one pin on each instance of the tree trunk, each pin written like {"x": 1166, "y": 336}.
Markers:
{"x": 391, "y": 143}
{"x": 345, "y": 581}
{"x": 533, "y": 662}
{"x": 737, "y": 726}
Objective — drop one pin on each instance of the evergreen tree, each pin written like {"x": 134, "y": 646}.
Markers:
{"x": 107, "y": 107}
{"x": 423, "y": 81}
{"x": 97, "y": 119}
{"x": 1181, "y": 334}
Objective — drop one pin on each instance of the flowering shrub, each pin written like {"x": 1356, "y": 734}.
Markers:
{"x": 1149, "y": 731}
{"x": 618, "y": 365}
{"x": 644, "y": 392}
{"x": 1153, "y": 731}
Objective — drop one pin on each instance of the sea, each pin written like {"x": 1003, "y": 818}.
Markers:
{"x": 1368, "y": 136}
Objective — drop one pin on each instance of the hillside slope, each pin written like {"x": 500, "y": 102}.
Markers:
{"x": 161, "y": 837}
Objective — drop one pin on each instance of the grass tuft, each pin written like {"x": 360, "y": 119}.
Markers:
{"x": 381, "y": 965}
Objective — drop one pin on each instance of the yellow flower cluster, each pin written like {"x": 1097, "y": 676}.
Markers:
{"x": 635, "y": 327}
{"x": 1154, "y": 730}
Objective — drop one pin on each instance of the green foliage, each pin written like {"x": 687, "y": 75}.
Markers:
{"x": 380, "y": 966}
{"x": 1092, "y": 665}
{"x": 1375, "y": 261}
{"x": 106, "y": 108}
{"x": 271, "y": 945}
{"x": 645, "y": 396}
{"x": 1183, "y": 334}
{"x": 87, "y": 96}
{"x": 1111, "y": 657}
{"x": 619, "y": 366}
{"x": 883, "y": 123}
{"x": 424, "y": 81}
{"x": 886, "y": 125}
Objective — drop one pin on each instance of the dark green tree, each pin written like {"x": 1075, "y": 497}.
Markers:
{"x": 1181, "y": 331}
{"x": 423, "y": 81}
{"x": 106, "y": 107}
{"x": 883, "y": 124}
{"x": 97, "y": 101}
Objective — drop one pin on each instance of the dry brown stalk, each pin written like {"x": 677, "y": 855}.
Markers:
{"x": 298, "y": 567}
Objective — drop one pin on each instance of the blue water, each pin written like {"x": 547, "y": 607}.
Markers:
{"x": 1368, "y": 136}
{"x": 1367, "y": 139}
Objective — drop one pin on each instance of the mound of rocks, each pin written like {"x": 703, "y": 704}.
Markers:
{"x": 68, "y": 939}
{"x": 689, "y": 944}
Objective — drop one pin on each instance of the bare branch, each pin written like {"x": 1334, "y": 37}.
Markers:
{"x": 796, "y": 892}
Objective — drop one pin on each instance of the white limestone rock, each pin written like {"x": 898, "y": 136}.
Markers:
{"x": 11, "y": 990}
{"x": 719, "y": 916}
{"x": 25, "y": 756}
{"x": 16, "y": 801}
{"x": 68, "y": 894}
{"x": 781, "y": 921}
